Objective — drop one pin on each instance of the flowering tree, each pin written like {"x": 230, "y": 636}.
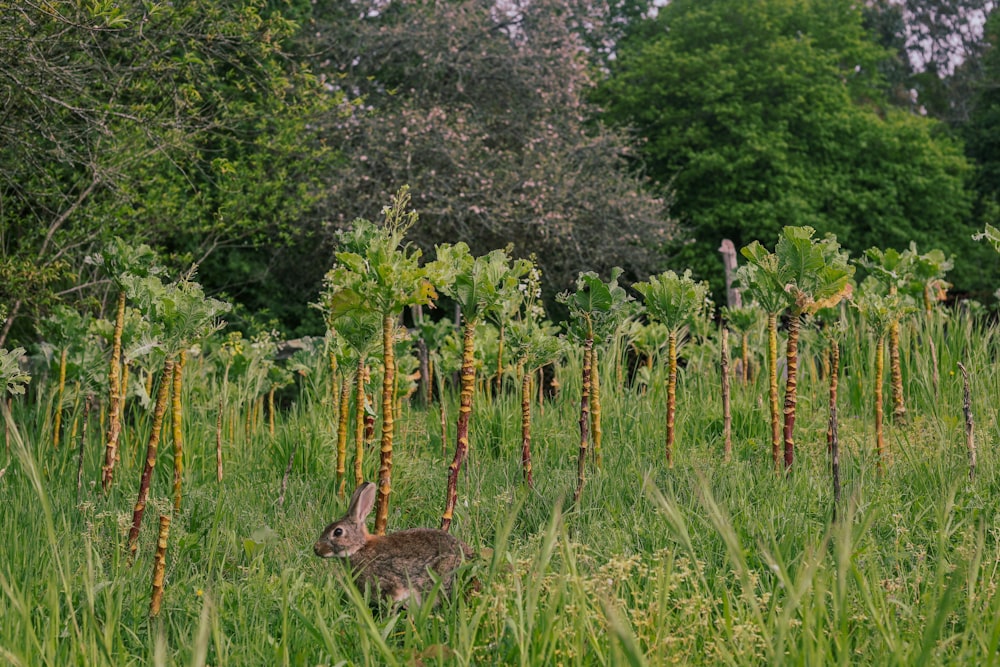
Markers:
{"x": 488, "y": 105}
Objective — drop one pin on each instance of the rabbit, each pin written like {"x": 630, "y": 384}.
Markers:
{"x": 396, "y": 565}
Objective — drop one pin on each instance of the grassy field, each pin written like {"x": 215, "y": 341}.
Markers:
{"x": 705, "y": 563}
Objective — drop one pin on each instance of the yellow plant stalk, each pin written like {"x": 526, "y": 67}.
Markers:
{"x": 343, "y": 411}
{"x": 359, "y": 424}
{"x": 671, "y": 394}
{"x": 879, "y": 370}
{"x": 581, "y": 462}
{"x": 178, "y": 430}
{"x": 57, "y": 421}
{"x": 270, "y": 412}
{"x": 727, "y": 416}
{"x": 595, "y": 406}
{"x": 114, "y": 408}
{"x": 464, "y": 411}
{"x": 159, "y": 566}
{"x": 385, "y": 449}
{"x": 526, "y": 427}
{"x": 218, "y": 441}
{"x": 791, "y": 386}
{"x": 152, "y": 445}
{"x": 772, "y": 370}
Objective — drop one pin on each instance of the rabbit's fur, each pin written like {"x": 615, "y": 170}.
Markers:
{"x": 397, "y": 565}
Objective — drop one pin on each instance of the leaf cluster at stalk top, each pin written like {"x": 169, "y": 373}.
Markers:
{"x": 12, "y": 377}
{"x": 673, "y": 300}
{"x": 375, "y": 270}
{"x": 479, "y": 285}
{"x": 803, "y": 273}
{"x": 596, "y": 307}
{"x": 991, "y": 234}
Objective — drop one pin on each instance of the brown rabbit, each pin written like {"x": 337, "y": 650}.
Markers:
{"x": 397, "y": 565}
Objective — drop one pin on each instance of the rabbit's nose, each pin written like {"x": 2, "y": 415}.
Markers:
{"x": 322, "y": 549}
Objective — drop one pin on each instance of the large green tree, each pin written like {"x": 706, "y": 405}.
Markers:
{"x": 767, "y": 113}
{"x": 184, "y": 125}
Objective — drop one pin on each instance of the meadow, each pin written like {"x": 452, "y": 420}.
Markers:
{"x": 706, "y": 562}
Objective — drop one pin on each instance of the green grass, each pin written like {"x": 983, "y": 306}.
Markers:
{"x": 706, "y": 563}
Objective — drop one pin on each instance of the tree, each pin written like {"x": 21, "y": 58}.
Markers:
{"x": 139, "y": 119}
{"x": 766, "y": 114}
{"x": 982, "y": 138}
{"x": 480, "y": 109}
{"x": 938, "y": 47}
{"x": 674, "y": 301}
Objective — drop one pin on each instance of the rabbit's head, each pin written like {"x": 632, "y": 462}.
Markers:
{"x": 346, "y": 536}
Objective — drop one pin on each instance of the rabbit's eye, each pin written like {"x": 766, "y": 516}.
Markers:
{"x": 337, "y": 532}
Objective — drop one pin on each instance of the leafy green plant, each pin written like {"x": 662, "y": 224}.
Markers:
{"x": 533, "y": 344}
{"x": 990, "y": 234}
{"x": 803, "y": 274}
{"x": 64, "y": 328}
{"x": 179, "y": 314}
{"x": 13, "y": 379}
{"x": 480, "y": 286}
{"x": 595, "y": 308}
{"x": 743, "y": 321}
{"x": 122, "y": 264}
{"x": 926, "y": 277}
{"x": 892, "y": 270}
{"x": 376, "y": 269}
{"x": 674, "y": 301}
{"x": 880, "y": 312}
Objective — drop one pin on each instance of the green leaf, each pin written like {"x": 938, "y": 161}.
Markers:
{"x": 13, "y": 379}
{"x": 673, "y": 300}
{"x": 991, "y": 234}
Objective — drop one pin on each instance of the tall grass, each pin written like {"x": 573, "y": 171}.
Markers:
{"x": 708, "y": 563}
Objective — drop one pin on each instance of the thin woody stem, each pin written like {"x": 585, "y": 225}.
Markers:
{"x": 464, "y": 412}
{"x": 385, "y": 449}
{"x": 152, "y": 445}
{"x": 581, "y": 464}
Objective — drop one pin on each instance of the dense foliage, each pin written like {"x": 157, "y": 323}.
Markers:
{"x": 241, "y": 136}
{"x": 767, "y": 114}
{"x": 181, "y": 124}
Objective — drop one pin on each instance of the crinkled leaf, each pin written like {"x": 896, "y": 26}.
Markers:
{"x": 13, "y": 378}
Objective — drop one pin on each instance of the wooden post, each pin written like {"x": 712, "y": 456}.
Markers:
{"x": 727, "y": 416}
{"x": 728, "y": 250}
{"x": 970, "y": 434}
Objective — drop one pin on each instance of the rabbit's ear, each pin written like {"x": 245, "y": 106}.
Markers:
{"x": 362, "y": 502}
